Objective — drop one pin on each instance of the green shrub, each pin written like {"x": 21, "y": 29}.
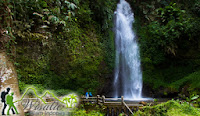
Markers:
{"x": 170, "y": 108}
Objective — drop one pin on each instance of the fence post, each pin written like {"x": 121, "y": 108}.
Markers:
{"x": 122, "y": 98}
{"x": 103, "y": 99}
{"x": 98, "y": 99}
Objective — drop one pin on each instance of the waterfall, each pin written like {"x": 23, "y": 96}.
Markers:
{"x": 128, "y": 75}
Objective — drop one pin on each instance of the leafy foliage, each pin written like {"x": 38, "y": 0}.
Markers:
{"x": 170, "y": 108}
{"x": 168, "y": 41}
{"x": 60, "y": 44}
{"x": 164, "y": 33}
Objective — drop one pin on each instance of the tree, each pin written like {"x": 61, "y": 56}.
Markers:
{"x": 8, "y": 74}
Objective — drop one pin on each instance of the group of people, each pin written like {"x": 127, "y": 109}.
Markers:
{"x": 88, "y": 94}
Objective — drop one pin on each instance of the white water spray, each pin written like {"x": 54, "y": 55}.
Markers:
{"x": 128, "y": 75}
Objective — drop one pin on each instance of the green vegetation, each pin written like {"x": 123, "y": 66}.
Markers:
{"x": 192, "y": 79}
{"x": 168, "y": 33}
{"x": 61, "y": 45}
{"x": 68, "y": 45}
{"x": 84, "y": 113}
{"x": 170, "y": 108}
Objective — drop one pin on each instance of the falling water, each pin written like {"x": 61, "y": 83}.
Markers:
{"x": 128, "y": 76}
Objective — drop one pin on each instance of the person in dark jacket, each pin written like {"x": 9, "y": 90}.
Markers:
{"x": 90, "y": 94}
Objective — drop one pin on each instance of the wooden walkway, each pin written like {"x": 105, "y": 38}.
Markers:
{"x": 115, "y": 106}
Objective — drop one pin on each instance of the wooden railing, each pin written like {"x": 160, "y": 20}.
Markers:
{"x": 115, "y": 106}
{"x": 123, "y": 103}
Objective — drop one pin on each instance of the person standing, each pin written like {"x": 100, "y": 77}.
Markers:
{"x": 86, "y": 95}
{"x": 90, "y": 94}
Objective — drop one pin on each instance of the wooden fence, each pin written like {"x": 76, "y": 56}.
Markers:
{"x": 115, "y": 106}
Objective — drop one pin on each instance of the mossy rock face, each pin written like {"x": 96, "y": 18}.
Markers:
{"x": 64, "y": 46}
{"x": 65, "y": 60}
